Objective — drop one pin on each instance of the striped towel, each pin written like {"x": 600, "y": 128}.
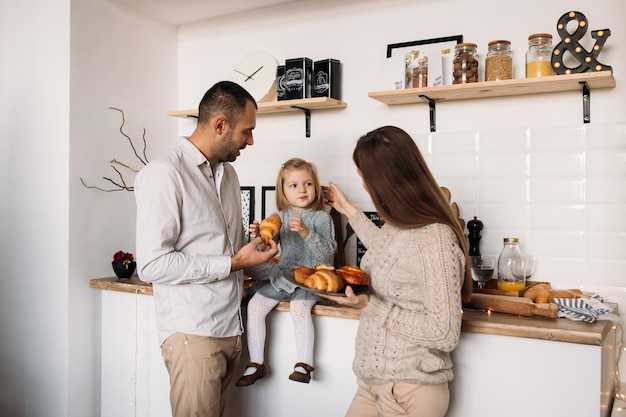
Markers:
{"x": 585, "y": 309}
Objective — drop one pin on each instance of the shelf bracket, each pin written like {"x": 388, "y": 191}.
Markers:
{"x": 307, "y": 119}
{"x": 432, "y": 111}
{"x": 586, "y": 102}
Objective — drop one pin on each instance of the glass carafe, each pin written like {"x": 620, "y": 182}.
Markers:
{"x": 509, "y": 263}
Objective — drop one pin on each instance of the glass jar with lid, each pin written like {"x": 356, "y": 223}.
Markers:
{"x": 465, "y": 64}
{"x": 539, "y": 55}
{"x": 498, "y": 61}
{"x": 420, "y": 74}
{"x": 511, "y": 261}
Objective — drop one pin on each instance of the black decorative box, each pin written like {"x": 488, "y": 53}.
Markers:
{"x": 298, "y": 72}
{"x": 327, "y": 78}
{"x": 280, "y": 83}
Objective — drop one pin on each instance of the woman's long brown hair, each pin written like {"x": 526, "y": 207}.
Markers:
{"x": 403, "y": 189}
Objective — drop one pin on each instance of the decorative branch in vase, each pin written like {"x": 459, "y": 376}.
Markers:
{"x": 121, "y": 184}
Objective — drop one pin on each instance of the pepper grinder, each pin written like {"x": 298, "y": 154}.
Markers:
{"x": 474, "y": 227}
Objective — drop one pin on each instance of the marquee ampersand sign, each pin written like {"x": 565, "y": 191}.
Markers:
{"x": 570, "y": 43}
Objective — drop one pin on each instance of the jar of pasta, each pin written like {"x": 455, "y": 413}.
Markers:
{"x": 465, "y": 64}
{"x": 539, "y": 55}
{"x": 498, "y": 61}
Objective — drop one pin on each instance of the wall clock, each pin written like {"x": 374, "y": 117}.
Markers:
{"x": 256, "y": 72}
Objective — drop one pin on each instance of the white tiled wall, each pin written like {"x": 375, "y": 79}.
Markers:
{"x": 562, "y": 191}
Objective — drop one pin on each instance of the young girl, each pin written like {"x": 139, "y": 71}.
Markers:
{"x": 307, "y": 238}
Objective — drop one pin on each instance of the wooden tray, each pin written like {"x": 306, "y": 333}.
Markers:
{"x": 492, "y": 288}
{"x": 521, "y": 306}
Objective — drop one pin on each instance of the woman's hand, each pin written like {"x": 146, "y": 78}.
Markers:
{"x": 334, "y": 197}
{"x": 350, "y": 300}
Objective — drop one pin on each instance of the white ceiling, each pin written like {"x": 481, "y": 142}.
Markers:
{"x": 180, "y": 12}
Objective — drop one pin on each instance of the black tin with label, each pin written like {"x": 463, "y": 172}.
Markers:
{"x": 280, "y": 83}
{"x": 327, "y": 78}
{"x": 298, "y": 73}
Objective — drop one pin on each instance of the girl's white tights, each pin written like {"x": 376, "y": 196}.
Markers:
{"x": 256, "y": 330}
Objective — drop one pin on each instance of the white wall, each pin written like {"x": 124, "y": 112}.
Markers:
{"x": 122, "y": 60}
{"x": 63, "y": 65}
{"x": 34, "y": 167}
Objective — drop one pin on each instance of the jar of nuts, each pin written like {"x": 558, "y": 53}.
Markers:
{"x": 498, "y": 61}
{"x": 465, "y": 64}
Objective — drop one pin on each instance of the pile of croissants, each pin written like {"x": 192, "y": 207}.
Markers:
{"x": 322, "y": 277}
{"x": 327, "y": 278}
{"x": 544, "y": 293}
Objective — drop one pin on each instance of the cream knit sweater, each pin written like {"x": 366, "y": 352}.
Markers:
{"x": 413, "y": 319}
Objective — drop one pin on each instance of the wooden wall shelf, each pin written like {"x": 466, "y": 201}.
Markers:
{"x": 316, "y": 103}
{"x": 552, "y": 84}
{"x": 283, "y": 106}
{"x": 505, "y": 88}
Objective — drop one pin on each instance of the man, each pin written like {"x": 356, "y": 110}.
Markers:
{"x": 190, "y": 247}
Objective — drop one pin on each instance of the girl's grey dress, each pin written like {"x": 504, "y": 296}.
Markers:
{"x": 318, "y": 248}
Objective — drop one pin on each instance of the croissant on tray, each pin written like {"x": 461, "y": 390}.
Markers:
{"x": 353, "y": 275}
{"x": 302, "y": 273}
{"x": 324, "y": 280}
{"x": 269, "y": 227}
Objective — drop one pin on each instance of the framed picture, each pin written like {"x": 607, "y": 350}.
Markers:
{"x": 415, "y": 50}
{"x": 360, "y": 249}
{"x": 247, "y": 210}
{"x": 268, "y": 203}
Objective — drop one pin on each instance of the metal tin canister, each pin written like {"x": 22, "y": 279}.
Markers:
{"x": 298, "y": 72}
{"x": 280, "y": 83}
{"x": 327, "y": 78}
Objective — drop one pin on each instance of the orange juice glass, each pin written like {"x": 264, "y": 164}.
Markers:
{"x": 511, "y": 286}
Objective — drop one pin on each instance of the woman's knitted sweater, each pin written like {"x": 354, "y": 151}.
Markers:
{"x": 413, "y": 319}
{"x": 318, "y": 248}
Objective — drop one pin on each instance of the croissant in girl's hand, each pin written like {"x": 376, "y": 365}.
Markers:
{"x": 269, "y": 227}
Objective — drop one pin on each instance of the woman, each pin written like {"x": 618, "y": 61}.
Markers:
{"x": 417, "y": 263}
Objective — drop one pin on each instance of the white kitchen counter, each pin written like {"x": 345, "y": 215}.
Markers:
{"x": 505, "y": 365}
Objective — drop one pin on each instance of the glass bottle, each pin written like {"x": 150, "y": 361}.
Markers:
{"x": 539, "y": 55}
{"x": 420, "y": 74}
{"x": 498, "y": 61}
{"x": 465, "y": 64}
{"x": 510, "y": 261}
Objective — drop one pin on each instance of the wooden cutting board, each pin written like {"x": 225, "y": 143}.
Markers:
{"x": 521, "y": 306}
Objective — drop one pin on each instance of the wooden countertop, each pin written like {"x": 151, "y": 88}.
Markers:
{"x": 561, "y": 330}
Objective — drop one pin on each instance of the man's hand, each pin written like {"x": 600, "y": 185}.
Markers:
{"x": 251, "y": 255}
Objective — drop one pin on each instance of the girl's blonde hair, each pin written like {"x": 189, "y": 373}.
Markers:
{"x": 295, "y": 164}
